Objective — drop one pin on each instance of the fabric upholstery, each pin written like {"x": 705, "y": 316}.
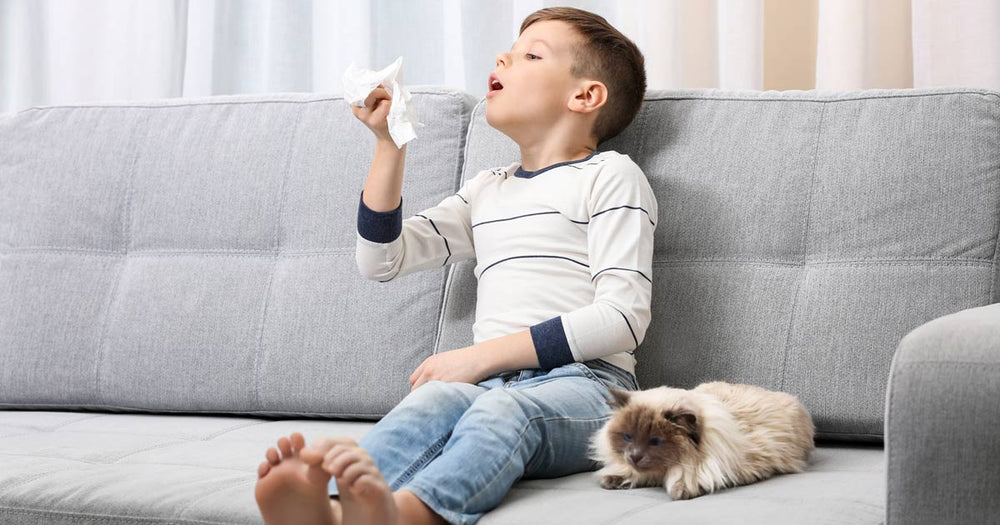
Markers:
{"x": 198, "y": 256}
{"x": 943, "y": 412}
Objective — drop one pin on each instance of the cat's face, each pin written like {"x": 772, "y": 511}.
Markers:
{"x": 649, "y": 439}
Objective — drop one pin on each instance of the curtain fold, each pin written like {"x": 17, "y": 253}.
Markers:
{"x": 65, "y": 51}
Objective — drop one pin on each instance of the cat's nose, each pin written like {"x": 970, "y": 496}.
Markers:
{"x": 635, "y": 458}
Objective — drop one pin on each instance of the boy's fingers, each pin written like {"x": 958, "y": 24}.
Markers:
{"x": 416, "y": 374}
{"x": 377, "y": 94}
{"x": 420, "y": 381}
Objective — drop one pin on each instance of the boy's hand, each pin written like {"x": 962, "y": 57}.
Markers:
{"x": 463, "y": 365}
{"x": 375, "y": 112}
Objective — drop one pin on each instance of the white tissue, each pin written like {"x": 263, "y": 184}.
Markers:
{"x": 402, "y": 118}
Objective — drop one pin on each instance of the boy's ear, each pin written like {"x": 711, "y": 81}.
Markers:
{"x": 591, "y": 96}
{"x": 619, "y": 398}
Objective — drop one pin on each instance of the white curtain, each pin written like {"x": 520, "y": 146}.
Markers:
{"x": 66, "y": 51}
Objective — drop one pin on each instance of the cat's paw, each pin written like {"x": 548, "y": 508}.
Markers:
{"x": 678, "y": 491}
{"x": 615, "y": 482}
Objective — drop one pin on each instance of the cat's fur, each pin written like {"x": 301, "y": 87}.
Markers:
{"x": 694, "y": 442}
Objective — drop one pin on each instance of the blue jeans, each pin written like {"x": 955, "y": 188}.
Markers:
{"x": 460, "y": 447}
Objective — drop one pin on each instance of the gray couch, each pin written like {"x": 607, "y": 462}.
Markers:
{"x": 178, "y": 289}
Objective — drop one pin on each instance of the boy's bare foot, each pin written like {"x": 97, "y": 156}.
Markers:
{"x": 290, "y": 491}
{"x": 365, "y": 497}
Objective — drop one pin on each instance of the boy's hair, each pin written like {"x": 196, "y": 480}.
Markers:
{"x": 608, "y": 56}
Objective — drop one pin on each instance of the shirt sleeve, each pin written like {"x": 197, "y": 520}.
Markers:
{"x": 389, "y": 246}
{"x": 623, "y": 215}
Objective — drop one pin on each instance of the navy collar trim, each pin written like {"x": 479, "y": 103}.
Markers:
{"x": 529, "y": 174}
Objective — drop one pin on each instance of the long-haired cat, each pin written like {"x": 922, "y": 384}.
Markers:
{"x": 694, "y": 442}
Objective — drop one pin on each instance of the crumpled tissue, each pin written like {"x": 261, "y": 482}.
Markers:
{"x": 402, "y": 118}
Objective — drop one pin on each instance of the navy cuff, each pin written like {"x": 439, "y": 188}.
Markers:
{"x": 379, "y": 226}
{"x": 551, "y": 344}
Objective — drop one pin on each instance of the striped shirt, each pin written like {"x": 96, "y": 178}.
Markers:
{"x": 565, "y": 251}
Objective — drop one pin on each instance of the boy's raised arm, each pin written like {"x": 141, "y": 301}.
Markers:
{"x": 388, "y": 246}
{"x": 384, "y": 187}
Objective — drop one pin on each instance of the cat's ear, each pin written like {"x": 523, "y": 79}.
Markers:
{"x": 687, "y": 421}
{"x": 619, "y": 398}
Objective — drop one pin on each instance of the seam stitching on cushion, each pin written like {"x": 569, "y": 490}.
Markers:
{"x": 805, "y": 248}
{"x": 63, "y": 425}
{"x": 29, "y": 479}
{"x": 283, "y": 191}
{"x": 106, "y": 518}
{"x": 35, "y": 430}
{"x": 994, "y": 292}
{"x": 207, "y": 102}
{"x": 140, "y": 410}
{"x": 227, "y": 486}
{"x": 825, "y": 100}
{"x": 869, "y": 261}
{"x": 958, "y": 364}
{"x": 179, "y": 253}
{"x": 104, "y": 464}
{"x": 987, "y": 262}
{"x": 126, "y": 241}
{"x": 169, "y": 444}
{"x": 233, "y": 429}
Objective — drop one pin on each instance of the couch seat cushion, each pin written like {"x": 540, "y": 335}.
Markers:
{"x": 75, "y": 467}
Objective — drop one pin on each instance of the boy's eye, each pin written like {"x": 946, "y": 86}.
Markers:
{"x": 656, "y": 442}
{"x": 529, "y": 55}
{"x": 627, "y": 437}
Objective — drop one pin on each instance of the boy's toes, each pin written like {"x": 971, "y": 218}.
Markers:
{"x": 272, "y": 456}
{"x": 298, "y": 441}
{"x": 285, "y": 446}
{"x": 263, "y": 469}
{"x": 314, "y": 453}
{"x": 360, "y": 476}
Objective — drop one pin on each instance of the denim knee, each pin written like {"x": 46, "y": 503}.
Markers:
{"x": 506, "y": 404}
{"x": 441, "y": 396}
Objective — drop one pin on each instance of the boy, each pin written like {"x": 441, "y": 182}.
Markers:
{"x": 563, "y": 242}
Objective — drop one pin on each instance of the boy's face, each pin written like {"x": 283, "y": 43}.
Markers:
{"x": 536, "y": 79}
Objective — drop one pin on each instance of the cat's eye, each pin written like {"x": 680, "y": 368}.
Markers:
{"x": 655, "y": 442}
{"x": 627, "y": 437}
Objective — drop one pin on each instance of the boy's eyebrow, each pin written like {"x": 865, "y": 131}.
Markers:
{"x": 546, "y": 44}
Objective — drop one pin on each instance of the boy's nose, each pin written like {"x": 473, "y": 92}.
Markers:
{"x": 502, "y": 59}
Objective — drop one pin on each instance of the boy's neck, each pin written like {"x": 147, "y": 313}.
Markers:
{"x": 537, "y": 156}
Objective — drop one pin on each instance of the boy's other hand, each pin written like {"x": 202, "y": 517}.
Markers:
{"x": 375, "y": 112}
{"x": 462, "y": 365}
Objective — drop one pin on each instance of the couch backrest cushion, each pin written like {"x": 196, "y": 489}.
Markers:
{"x": 198, "y": 255}
{"x": 800, "y": 235}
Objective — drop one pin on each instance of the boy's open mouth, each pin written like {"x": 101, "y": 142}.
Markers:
{"x": 495, "y": 84}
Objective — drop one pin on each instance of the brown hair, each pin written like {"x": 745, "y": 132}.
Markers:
{"x": 608, "y": 56}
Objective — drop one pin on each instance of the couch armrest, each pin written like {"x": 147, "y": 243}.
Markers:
{"x": 943, "y": 421}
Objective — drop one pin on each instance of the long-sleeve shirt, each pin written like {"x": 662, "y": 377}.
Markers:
{"x": 565, "y": 251}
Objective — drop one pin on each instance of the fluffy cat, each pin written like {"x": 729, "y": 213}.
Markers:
{"x": 694, "y": 442}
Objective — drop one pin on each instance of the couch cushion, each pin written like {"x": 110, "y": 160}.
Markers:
{"x": 198, "y": 255}
{"x": 800, "y": 236}
{"x": 114, "y": 468}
